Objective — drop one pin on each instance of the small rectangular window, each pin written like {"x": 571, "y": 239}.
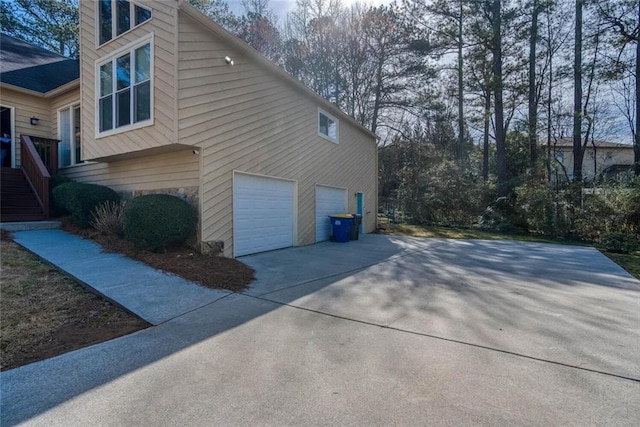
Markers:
{"x": 105, "y": 21}
{"x": 106, "y": 113}
{"x": 106, "y": 81}
{"x": 142, "y": 102}
{"x": 116, "y": 17}
{"x": 123, "y": 107}
{"x": 124, "y": 18}
{"x": 327, "y": 126}
{"x": 143, "y": 63}
{"x": 124, "y": 72}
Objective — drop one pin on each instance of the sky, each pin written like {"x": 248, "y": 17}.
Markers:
{"x": 282, "y": 7}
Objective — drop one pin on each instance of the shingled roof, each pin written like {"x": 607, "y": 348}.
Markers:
{"x": 32, "y": 67}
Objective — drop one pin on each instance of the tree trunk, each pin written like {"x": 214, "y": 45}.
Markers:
{"x": 549, "y": 96}
{"x": 460, "y": 90}
{"x": 533, "y": 105}
{"x": 501, "y": 155}
{"x": 378, "y": 96}
{"x": 485, "y": 142}
{"x": 577, "y": 96}
{"x": 636, "y": 142}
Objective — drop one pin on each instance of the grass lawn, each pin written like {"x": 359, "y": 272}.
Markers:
{"x": 44, "y": 313}
{"x": 630, "y": 262}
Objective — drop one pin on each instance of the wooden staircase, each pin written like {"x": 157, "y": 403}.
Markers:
{"x": 17, "y": 199}
{"x": 24, "y": 192}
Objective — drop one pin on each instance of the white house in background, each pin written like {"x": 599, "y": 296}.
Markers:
{"x": 601, "y": 160}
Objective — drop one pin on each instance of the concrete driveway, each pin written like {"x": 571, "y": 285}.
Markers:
{"x": 382, "y": 331}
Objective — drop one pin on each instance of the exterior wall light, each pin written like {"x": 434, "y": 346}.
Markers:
{"x": 34, "y": 121}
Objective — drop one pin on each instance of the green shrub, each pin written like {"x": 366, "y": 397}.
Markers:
{"x": 544, "y": 209}
{"x": 447, "y": 195}
{"x": 155, "y": 221}
{"x": 55, "y": 210}
{"x": 502, "y": 216}
{"x": 611, "y": 208}
{"x": 81, "y": 199}
{"x": 623, "y": 243}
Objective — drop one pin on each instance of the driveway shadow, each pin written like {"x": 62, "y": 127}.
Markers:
{"x": 493, "y": 294}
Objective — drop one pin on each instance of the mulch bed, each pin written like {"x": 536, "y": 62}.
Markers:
{"x": 210, "y": 271}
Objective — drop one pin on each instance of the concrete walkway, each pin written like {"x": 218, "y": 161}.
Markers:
{"x": 153, "y": 295}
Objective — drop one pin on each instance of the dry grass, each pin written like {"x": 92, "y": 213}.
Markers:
{"x": 45, "y": 313}
{"x": 107, "y": 218}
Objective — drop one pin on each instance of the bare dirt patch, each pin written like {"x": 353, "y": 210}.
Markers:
{"x": 210, "y": 271}
{"x": 44, "y": 313}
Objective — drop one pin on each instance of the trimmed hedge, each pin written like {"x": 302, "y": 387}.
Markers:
{"x": 81, "y": 199}
{"x": 155, "y": 221}
{"x": 55, "y": 210}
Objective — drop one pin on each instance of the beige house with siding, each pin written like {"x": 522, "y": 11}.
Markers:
{"x": 171, "y": 102}
{"x": 602, "y": 159}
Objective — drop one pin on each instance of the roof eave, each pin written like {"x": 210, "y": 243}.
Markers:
{"x": 54, "y": 92}
{"x": 64, "y": 88}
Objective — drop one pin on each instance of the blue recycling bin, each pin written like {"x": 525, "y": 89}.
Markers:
{"x": 341, "y": 227}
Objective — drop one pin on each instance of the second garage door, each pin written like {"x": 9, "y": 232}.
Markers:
{"x": 263, "y": 214}
{"x": 329, "y": 200}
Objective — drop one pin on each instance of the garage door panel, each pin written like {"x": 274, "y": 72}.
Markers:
{"x": 329, "y": 200}
{"x": 263, "y": 210}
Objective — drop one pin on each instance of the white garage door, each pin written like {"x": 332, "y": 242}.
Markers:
{"x": 263, "y": 214}
{"x": 329, "y": 200}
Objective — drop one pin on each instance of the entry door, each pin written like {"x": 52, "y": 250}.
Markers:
{"x": 7, "y": 137}
{"x": 360, "y": 210}
{"x": 329, "y": 200}
{"x": 263, "y": 214}
{"x": 69, "y": 135}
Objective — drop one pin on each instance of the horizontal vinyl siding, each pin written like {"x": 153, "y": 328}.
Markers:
{"x": 162, "y": 171}
{"x": 163, "y": 131}
{"x": 27, "y": 106}
{"x": 247, "y": 119}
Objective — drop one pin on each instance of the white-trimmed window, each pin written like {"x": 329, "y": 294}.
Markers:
{"x": 327, "y": 126}
{"x": 69, "y": 136}
{"x": 125, "y": 88}
{"x": 116, "y": 17}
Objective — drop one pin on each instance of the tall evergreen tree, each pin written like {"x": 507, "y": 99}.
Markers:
{"x": 577, "y": 94}
{"x": 623, "y": 19}
{"x": 51, "y": 24}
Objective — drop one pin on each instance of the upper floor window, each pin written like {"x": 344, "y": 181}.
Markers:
{"x": 327, "y": 126}
{"x": 560, "y": 156}
{"x": 119, "y": 16}
{"x": 125, "y": 87}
